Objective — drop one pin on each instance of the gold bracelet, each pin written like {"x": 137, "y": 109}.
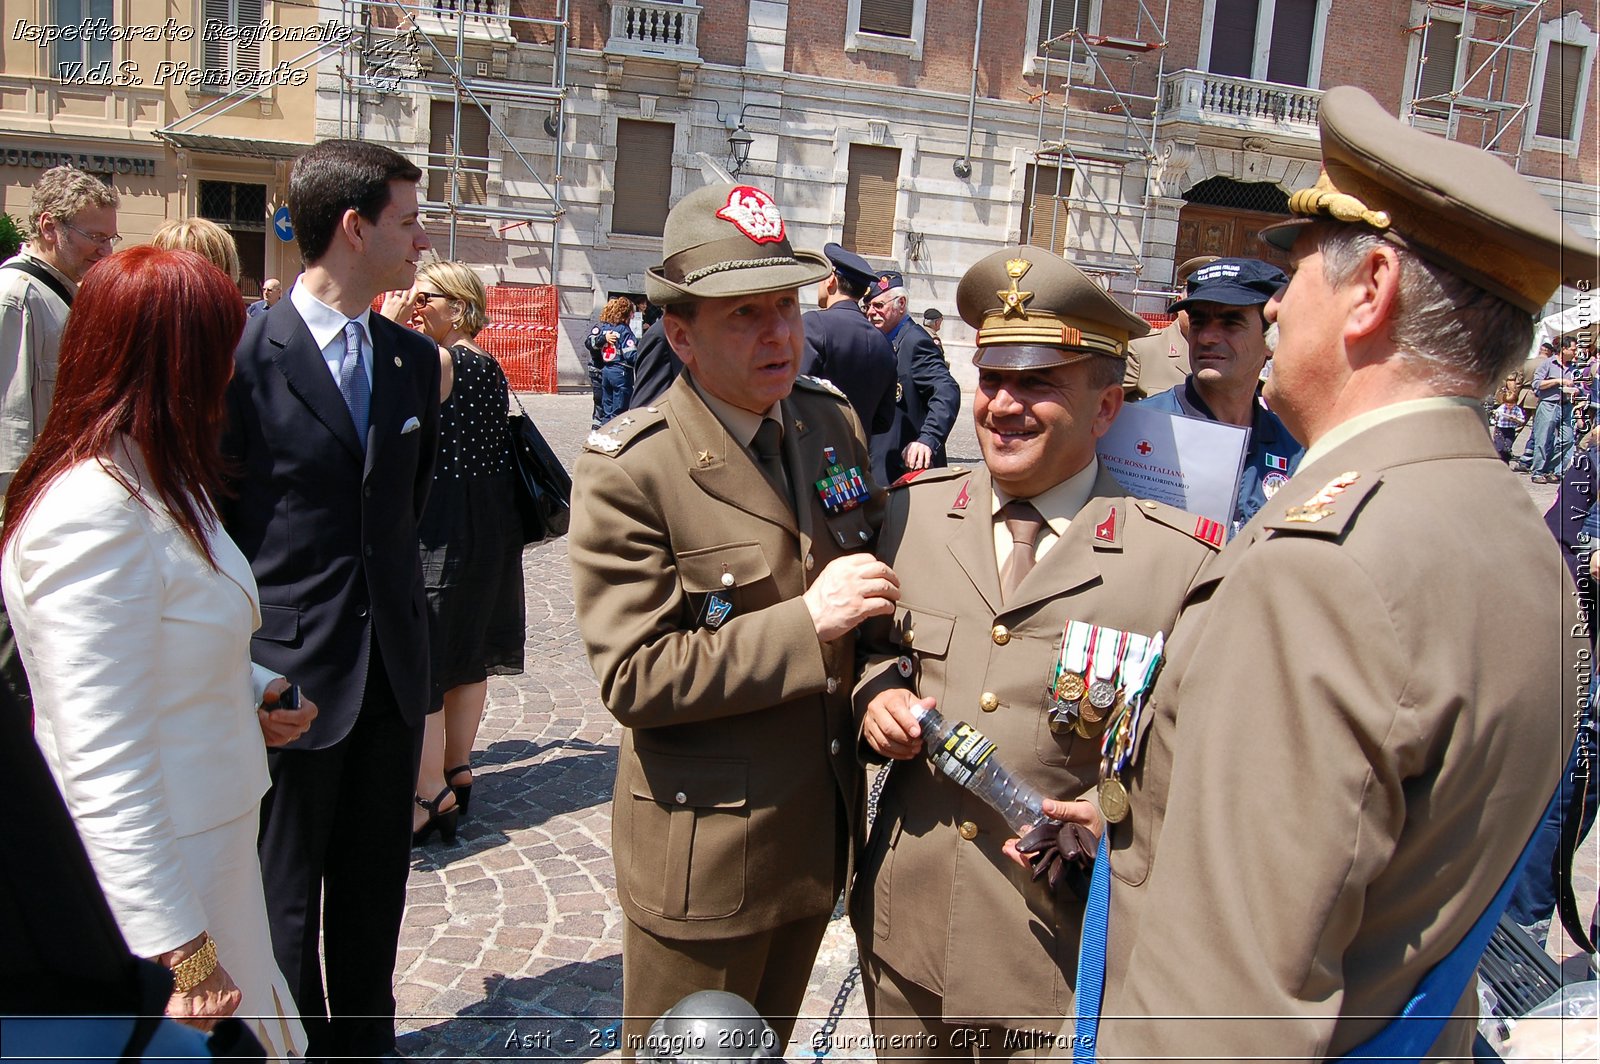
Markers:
{"x": 196, "y": 968}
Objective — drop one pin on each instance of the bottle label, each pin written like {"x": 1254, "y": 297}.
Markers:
{"x": 963, "y": 753}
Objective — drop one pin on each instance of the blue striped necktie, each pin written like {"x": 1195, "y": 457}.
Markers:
{"x": 353, "y": 384}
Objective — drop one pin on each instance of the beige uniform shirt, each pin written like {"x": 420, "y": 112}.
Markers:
{"x": 936, "y": 899}
{"x": 32, "y": 319}
{"x": 1363, "y": 712}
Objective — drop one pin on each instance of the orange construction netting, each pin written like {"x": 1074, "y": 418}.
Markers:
{"x": 524, "y": 321}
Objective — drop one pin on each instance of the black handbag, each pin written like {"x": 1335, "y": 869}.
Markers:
{"x": 543, "y": 487}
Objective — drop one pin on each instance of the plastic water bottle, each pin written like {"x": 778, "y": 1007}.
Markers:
{"x": 966, "y": 755}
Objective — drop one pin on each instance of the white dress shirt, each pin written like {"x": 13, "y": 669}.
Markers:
{"x": 327, "y": 329}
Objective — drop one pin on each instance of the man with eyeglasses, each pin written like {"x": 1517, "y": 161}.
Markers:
{"x": 72, "y": 224}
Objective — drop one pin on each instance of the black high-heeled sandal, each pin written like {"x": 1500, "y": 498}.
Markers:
{"x": 463, "y": 793}
{"x": 444, "y": 822}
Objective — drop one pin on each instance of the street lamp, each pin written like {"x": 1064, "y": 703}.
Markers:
{"x": 739, "y": 142}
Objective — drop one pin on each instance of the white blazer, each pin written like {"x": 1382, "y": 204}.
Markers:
{"x": 144, "y": 695}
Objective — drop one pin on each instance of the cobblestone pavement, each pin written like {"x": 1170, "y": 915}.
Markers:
{"x": 511, "y": 948}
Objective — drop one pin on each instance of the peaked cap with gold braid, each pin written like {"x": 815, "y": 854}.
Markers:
{"x": 1455, "y": 205}
{"x": 1034, "y": 310}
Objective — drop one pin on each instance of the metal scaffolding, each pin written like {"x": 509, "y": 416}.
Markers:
{"x": 1483, "y": 99}
{"x": 1062, "y": 54}
{"x": 431, "y": 51}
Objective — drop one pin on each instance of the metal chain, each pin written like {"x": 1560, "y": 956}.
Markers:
{"x": 822, "y": 1041}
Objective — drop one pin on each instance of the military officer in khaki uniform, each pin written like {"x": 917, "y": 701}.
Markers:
{"x": 1348, "y": 746}
{"x": 721, "y": 560}
{"x": 963, "y": 954}
{"x": 1160, "y": 360}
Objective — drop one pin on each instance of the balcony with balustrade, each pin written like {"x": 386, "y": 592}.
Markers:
{"x": 1193, "y": 101}
{"x": 654, "y": 30}
{"x": 481, "y": 20}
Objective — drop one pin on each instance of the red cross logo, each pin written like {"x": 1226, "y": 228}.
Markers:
{"x": 1144, "y": 447}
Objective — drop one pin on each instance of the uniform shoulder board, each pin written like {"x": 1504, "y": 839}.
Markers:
{"x": 1212, "y": 533}
{"x": 929, "y": 476}
{"x": 1328, "y": 510}
{"x": 820, "y": 384}
{"x": 614, "y": 436}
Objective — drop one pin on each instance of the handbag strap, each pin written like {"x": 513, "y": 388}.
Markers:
{"x": 43, "y": 276}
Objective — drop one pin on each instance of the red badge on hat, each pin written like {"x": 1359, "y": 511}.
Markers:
{"x": 883, "y": 284}
{"x": 754, "y": 214}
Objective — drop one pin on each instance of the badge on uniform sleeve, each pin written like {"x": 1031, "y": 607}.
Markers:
{"x": 1272, "y": 482}
{"x": 717, "y": 610}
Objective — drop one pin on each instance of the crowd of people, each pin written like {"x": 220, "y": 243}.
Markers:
{"x": 259, "y": 563}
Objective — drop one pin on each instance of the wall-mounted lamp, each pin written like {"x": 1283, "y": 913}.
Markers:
{"x": 739, "y": 142}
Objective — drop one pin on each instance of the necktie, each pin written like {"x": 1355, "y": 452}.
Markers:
{"x": 768, "y": 453}
{"x": 1024, "y": 524}
{"x": 353, "y": 384}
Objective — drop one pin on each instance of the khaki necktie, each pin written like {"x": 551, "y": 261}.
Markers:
{"x": 1024, "y": 524}
{"x": 768, "y": 452}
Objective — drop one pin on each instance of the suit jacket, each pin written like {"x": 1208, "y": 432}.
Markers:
{"x": 330, "y": 531}
{"x": 1347, "y": 748}
{"x": 927, "y": 399}
{"x": 952, "y": 914}
{"x": 737, "y": 784}
{"x": 657, "y": 367}
{"x": 1156, "y": 362}
{"x": 847, "y": 349}
{"x": 138, "y": 652}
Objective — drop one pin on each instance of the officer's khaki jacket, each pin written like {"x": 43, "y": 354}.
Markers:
{"x": 737, "y": 772}
{"x": 1359, "y": 721}
{"x": 951, "y": 913}
{"x": 1157, "y": 362}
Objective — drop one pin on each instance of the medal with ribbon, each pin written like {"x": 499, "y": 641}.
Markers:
{"x": 1119, "y": 746}
{"x": 1067, "y": 683}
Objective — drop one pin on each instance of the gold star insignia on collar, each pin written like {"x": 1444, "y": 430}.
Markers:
{"x": 1014, "y": 300}
{"x": 704, "y": 457}
{"x": 799, "y": 426}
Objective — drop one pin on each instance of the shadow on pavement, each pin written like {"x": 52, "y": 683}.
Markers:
{"x": 546, "y": 1017}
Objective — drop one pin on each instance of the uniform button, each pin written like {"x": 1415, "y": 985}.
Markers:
{"x": 833, "y": 747}
{"x": 968, "y": 830}
{"x": 833, "y": 685}
{"x": 909, "y": 637}
{"x": 681, "y": 798}
{"x": 864, "y": 536}
{"x": 811, "y": 562}
{"x": 727, "y": 579}
{"x": 1001, "y": 635}
{"x": 362, "y": 612}
{"x": 988, "y": 702}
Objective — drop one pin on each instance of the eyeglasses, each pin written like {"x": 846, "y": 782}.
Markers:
{"x": 428, "y": 297}
{"x": 96, "y": 238}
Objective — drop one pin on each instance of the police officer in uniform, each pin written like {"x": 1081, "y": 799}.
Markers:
{"x": 843, "y": 347}
{"x": 927, "y": 398}
{"x": 1348, "y": 747}
{"x": 1228, "y": 347}
{"x": 720, "y": 549}
{"x": 962, "y": 953}
{"x": 1161, "y": 360}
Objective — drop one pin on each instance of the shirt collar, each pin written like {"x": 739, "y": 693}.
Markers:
{"x": 898, "y": 329}
{"x": 1059, "y": 504}
{"x": 325, "y": 323}
{"x": 740, "y": 423}
{"x": 33, "y": 256}
{"x": 1348, "y": 430}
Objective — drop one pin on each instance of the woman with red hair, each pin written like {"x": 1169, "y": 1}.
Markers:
{"x": 133, "y": 612}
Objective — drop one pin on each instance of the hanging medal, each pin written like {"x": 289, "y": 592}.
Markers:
{"x": 1138, "y": 670}
{"x": 1069, "y": 686}
{"x": 1106, "y": 651}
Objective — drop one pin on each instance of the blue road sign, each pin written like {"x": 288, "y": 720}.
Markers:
{"x": 281, "y": 224}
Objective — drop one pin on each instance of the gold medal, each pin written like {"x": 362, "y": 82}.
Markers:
{"x": 1082, "y": 729}
{"x": 1061, "y": 722}
{"x": 1113, "y": 800}
{"x": 1071, "y": 687}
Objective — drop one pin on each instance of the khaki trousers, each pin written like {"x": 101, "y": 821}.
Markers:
{"x": 906, "y": 1025}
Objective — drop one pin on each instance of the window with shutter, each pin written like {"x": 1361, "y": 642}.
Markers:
{"x": 1057, "y": 17}
{"x": 869, "y": 199}
{"x": 642, "y": 178}
{"x": 226, "y": 51}
{"x": 891, "y": 18}
{"x": 1441, "y": 44}
{"x": 1044, "y": 206}
{"x": 1563, "y": 65}
{"x": 1233, "y": 38}
{"x": 1265, "y": 40}
{"x": 470, "y": 158}
{"x": 1289, "y": 57}
{"x": 76, "y": 58}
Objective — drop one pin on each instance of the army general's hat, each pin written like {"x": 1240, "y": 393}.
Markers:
{"x": 849, "y": 265}
{"x": 1034, "y": 310}
{"x": 1457, "y": 206}
{"x": 728, "y": 240}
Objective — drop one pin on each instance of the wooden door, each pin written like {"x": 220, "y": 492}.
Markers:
{"x": 1227, "y": 233}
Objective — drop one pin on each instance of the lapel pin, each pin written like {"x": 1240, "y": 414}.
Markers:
{"x": 398, "y": 364}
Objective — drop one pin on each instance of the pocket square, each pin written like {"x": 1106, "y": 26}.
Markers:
{"x": 411, "y": 425}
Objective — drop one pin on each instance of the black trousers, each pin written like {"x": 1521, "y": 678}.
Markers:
{"x": 335, "y": 850}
